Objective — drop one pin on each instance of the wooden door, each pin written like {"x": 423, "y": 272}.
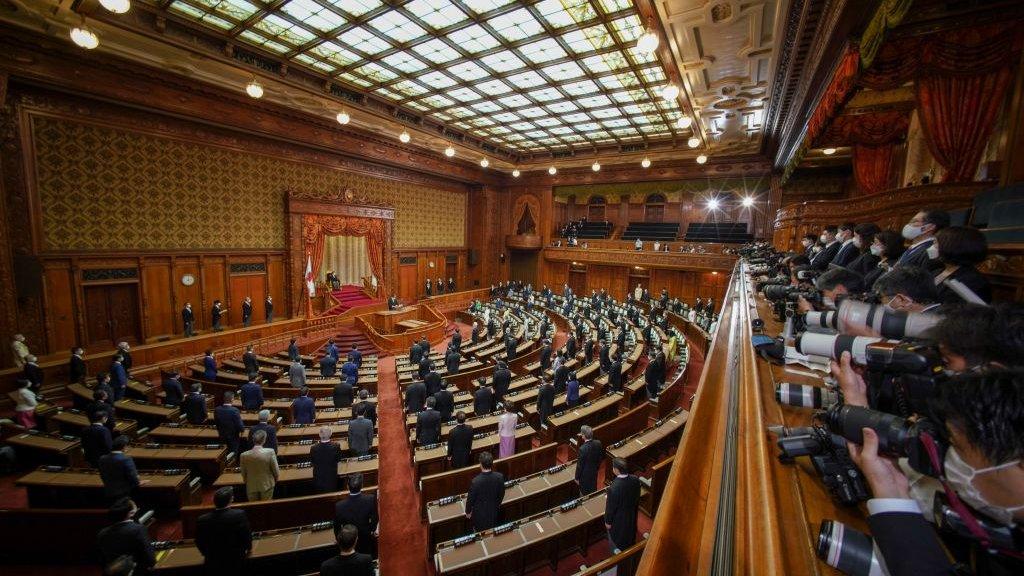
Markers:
{"x": 408, "y": 286}
{"x": 112, "y": 314}
{"x": 253, "y": 286}
{"x": 578, "y": 282}
{"x": 655, "y": 213}
{"x": 595, "y": 213}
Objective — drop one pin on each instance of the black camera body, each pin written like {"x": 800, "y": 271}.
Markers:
{"x": 903, "y": 376}
{"x": 897, "y": 436}
{"x": 830, "y": 459}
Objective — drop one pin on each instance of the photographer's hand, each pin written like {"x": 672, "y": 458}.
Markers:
{"x": 803, "y": 306}
{"x": 882, "y": 473}
{"x": 852, "y": 385}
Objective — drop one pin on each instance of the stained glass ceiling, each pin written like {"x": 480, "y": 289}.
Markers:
{"x": 529, "y": 76}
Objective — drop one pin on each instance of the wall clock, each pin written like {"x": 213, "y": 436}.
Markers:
{"x": 188, "y": 279}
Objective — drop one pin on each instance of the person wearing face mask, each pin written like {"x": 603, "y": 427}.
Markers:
{"x": 848, "y": 249}
{"x": 983, "y": 416}
{"x": 908, "y": 289}
{"x": 808, "y": 245}
{"x": 833, "y": 284}
{"x": 960, "y": 249}
{"x": 863, "y": 238}
{"x": 831, "y": 248}
{"x": 920, "y": 232}
{"x": 888, "y": 247}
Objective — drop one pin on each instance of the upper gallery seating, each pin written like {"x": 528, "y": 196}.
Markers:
{"x": 999, "y": 213}
{"x": 587, "y": 229}
{"x": 718, "y": 232}
{"x": 651, "y": 231}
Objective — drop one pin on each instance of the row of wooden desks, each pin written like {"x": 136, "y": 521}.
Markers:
{"x": 646, "y": 446}
{"x": 203, "y": 434}
{"x": 297, "y": 479}
{"x": 431, "y": 459}
{"x": 59, "y": 487}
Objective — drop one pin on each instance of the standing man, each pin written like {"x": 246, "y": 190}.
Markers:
{"x": 293, "y": 351}
{"x": 259, "y": 469}
{"x": 118, "y": 378}
{"x": 126, "y": 357}
{"x": 428, "y": 425}
{"x": 96, "y": 440}
{"x": 355, "y": 356}
{"x": 651, "y": 377}
{"x": 342, "y": 395}
{"x": 325, "y": 456}
{"x": 452, "y": 360}
{"x": 350, "y": 370}
{"x": 188, "y": 320}
{"x": 545, "y": 401}
{"x": 590, "y": 455}
{"x": 460, "y": 442}
{"x": 267, "y": 428}
{"x": 33, "y": 373}
{"x": 229, "y": 423}
{"x": 125, "y": 537}
{"x": 359, "y": 510}
{"x": 615, "y": 375}
{"x": 348, "y": 562}
{"x": 483, "y": 504}
{"x": 252, "y": 396}
{"x": 483, "y": 399}
{"x": 194, "y": 405}
{"x": 117, "y": 471}
{"x": 268, "y": 308}
{"x": 303, "y": 408}
{"x": 432, "y": 381}
{"x": 76, "y": 367}
{"x": 215, "y": 315}
{"x": 223, "y": 536}
{"x": 174, "y": 394}
{"x": 360, "y": 434}
{"x": 444, "y": 401}
{"x": 252, "y": 365}
{"x": 502, "y": 379}
{"x": 621, "y": 508}
{"x": 328, "y": 366}
{"x": 297, "y": 374}
{"x": 415, "y": 397}
{"x": 209, "y": 367}
{"x": 369, "y": 408}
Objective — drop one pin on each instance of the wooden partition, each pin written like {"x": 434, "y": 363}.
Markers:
{"x": 386, "y": 334}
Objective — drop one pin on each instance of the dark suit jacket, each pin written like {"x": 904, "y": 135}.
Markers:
{"x": 415, "y": 353}
{"x": 444, "y": 402}
{"x": 209, "y": 368}
{"x": 615, "y": 375}
{"x": 229, "y": 425}
{"x": 847, "y": 253}
{"x": 343, "y": 395}
{"x": 415, "y": 397}
{"x": 194, "y": 406}
{"x": 187, "y": 315}
{"x": 100, "y": 406}
{"x": 251, "y": 395}
{"x": 451, "y": 362}
{"x": 864, "y": 264}
{"x": 502, "y": 379}
{"x": 96, "y": 442}
{"x": 359, "y": 510}
{"x": 127, "y": 538}
{"x": 360, "y": 436}
{"x": 355, "y": 564}
{"x": 822, "y": 258}
{"x": 328, "y": 366}
{"x": 173, "y": 393}
{"x": 917, "y": 256}
{"x": 271, "y": 432}
{"x": 483, "y": 401}
{"x": 293, "y": 352}
{"x": 460, "y": 444}
{"x": 621, "y": 509}
{"x": 909, "y": 544}
{"x": 224, "y": 537}
{"x": 590, "y": 457}
{"x": 76, "y": 369}
{"x": 484, "y": 500}
{"x": 350, "y": 370}
{"x": 425, "y": 365}
{"x": 545, "y": 402}
{"x": 252, "y": 366}
{"x": 325, "y": 457}
{"x": 246, "y": 310}
{"x": 561, "y": 375}
{"x": 428, "y": 427}
{"x": 119, "y": 475}
{"x": 303, "y": 410}
{"x": 972, "y": 279}
{"x": 369, "y": 410}
{"x": 356, "y": 357}
{"x": 545, "y": 357}
{"x": 432, "y": 382}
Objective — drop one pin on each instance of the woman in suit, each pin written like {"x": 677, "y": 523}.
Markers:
{"x": 960, "y": 249}
{"x": 863, "y": 238}
{"x": 209, "y": 367}
{"x": 888, "y": 247}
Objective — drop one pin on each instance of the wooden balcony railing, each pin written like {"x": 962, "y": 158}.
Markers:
{"x": 630, "y": 257}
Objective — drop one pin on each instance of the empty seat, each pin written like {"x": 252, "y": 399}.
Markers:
{"x": 650, "y": 231}
{"x": 985, "y": 202}
{"x": 1006, "y": 222}
{"x": 730, "y": 232}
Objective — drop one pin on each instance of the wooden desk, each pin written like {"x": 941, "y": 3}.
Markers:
{"x": 294, "y": 452}
{"x": 42, "y": 448}
{"x": 562, "y": 426}
{"x": 429, "y": 460}
{"x": 618, "y": 428}
{"x": 207, "y": 461}
{"x": 648, "y": 445}
{"x": 71, "y": 422}
{"x": 58, "y": 487}
{"x": 297, "y": 479}
{"x": 205, "y": 434}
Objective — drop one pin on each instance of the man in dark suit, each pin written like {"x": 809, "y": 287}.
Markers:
{"x": 360, "y": 434}
{"x": 456, "y": 342}
{"x": 428, "y": 425}
{"x": 615, "y": 374}
{"x": 415, "y": 353}
{"x": 325, "y": 456}
{"x": 252, "y": 396}
{"x": 118, "y": 378}
{"x": 328, "y": 366}
{"x": 125, "y": 537}
{"x": 510, "y": 346}
{"x": 486, "y": 491}
{"x": 348, "y": 562}
{"x": 117, "y": 471}
{"x": 350, "y": 370}
{"x": 369, "y": 408}
{"x": 303, "y": 408}
{"x": 293, "y": 351}
{"x": 332, "y": 350}
{"x": 188, "y": 320}
{"x": 460, "y": 442}
{"x": 355, "y": 356}
{"x": 432, "y": 381}
{"x": 560, "y": 378}
{"x": 589, "y": 461}
{"x": 223, "y": 536}
{"x": 415, "y": 397}
{"x": 103, "y": 383}
{"x": 96, "y": 440}
{"x": 847, "y": 249}
{"x": 832, "y": 246}
{"x": 444, "y": 401}
{"x": 392, "y": 302}
{"x": 426, "y": 365}
{"x": 483, "y": 399}
{"x": 452, "y": 360}
{"x": 571, "y": 347}
{"x": 76, "y": 367}
{"x": 252, "y": 365}
{"x": 920, "y": 231}
{"x": 652, "y": 378}
{"x": 502, "y": 379}
{"x": 229, "y": 423}
{"x": 545, "y": 401}
{"x": 194, "y": 405}
{"x": 216, "y": 312}
{"x": 268, "y": 309}
{"x": 247, "y": 312}
{"x": 621, "y": 507}
{"x": 174, "y": 394}
{"x": 605, "y": 358}
{"x": 101, "y": 403}
{"x": 126, "y": 357}
{"x": 267, "y": 428}
{"x": 342, "y": 395}
{"x": 359, "y": 510}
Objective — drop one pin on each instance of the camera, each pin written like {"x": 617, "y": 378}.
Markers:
{"x": 903, "y": 376}
{"x": 948, "y": 520}
{"x": 897, "y": 436}
{"x": 849, "y": 550}
{"x": 830, "y": 459}
{"x": 833, "y": 345}
{"x": 828, "y": 319}
{"x": 806, "y": 396}
{"x": 888, "y": 323}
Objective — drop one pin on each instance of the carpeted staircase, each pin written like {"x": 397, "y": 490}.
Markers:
{"x": 349, "y": 297}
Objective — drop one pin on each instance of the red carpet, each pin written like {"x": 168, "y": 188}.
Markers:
{"x": 348, "y": 297}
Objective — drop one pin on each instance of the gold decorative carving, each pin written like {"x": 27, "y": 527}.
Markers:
{"x": 681, "y": 261}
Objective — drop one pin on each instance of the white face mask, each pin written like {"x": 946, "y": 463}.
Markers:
{"x": 805, "y": 243}
{"x": 910, "y": 232}
{"x": 933, "y": 251}
{"x": 823, "y": 238}
{"x": 857, "y": 242}
{"x": 960, "y": 476}
{"x": 876, "y": 250}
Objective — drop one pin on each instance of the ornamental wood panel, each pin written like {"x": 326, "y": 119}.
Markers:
{"x": 191, "y": 294}
{"x": 62, "y": 325}
{"x": 157, "y": 308}
{"x": 215, "y": 287}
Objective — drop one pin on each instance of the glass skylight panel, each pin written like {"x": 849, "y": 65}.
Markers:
{"x": 545, "y": 94}
{"x": 274, "y": 25}
{"x": 461, "y": 112}
{"x": 436, "y": 13}
{"x": 653, "y": 74}
{"x": 461, "y": 124}
{"x": 437, "y": 51}
{"x": 580, "y": 88}
{"x": 514, "y": 100}
{"x": 563, "y": 71}
{"x": 504, "y": 61}
{"x": 549, "y": 141}
{"x": 543, "y": 51}
{"x": 355, "y": 7}
{"x": 353, "y": 79}
{"x": 589, "y": 39}
{"x": 606, "y": 113}
{"x": 615, "y": 123}
{"x": 404, "y": 62}
{"x": 561, "y": 130}
{"x": 628, "y": 28}
{"x": 486, "y": 106}
{"x": 532, "y": 112}
{"x": 364, "y": 41}
{"x": 396, "y": 26}
{"x": 623, "y": 96}
{"x": 442, "y": 116}
{"x": 187, "y": 9}
{"x": 388, "y": 93}
{"x": 516, "y": 25}
{"x": 610, "y": 6}
{"x": 473, "y": 39}
{"x": 640, "y": 57}
{"x": 481, "y": 122}
{"x": 572, "y": 138}
{"x": 594, "y": 101}
{"x": 217, "y": 22}
{"x": 547, "y": 122}
{"x": 467, "y": 71}
{"x": 500, "y": 129}
{"x": 436, "y": 79}
{"x": 521, "y": 126}
{"x": 334, "y": 53}
{"x": 417, "y": 106}
{"x": 515, "y": 137}
{"x": 537, "y": 134}
{"x": 463, "y": 95}
{"x": 562, "y": 107}
{"x": 587, "y": 126}
{"x": 574, "y": 118}
{"x": 313, "y": 14}
{"x": 409, "y": 88}
{"x": 493, "y": 87}
{"x": 238, "y": 10}
{"x": 565, "y": 12}
{"x": 506, "y": 117}
{"x": 376, "y": 72}
{"x": 482, "y": 6}
{"x": 606, "y": 62}
{"x": 527, "y": 79}
{"x": 436, "y": 100}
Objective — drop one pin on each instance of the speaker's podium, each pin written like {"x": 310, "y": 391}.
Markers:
{"x": 395, "y": 330}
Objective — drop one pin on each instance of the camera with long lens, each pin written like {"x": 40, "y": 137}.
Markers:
{"x": 888, "y": 323}
{"x": 903, "y": 376}
{"x": 897, "y": 436}
{"x": 828, "y": 320}
{"x": 807, "y": 396}
{"x": 830, "y": 459}
{"x": 848, "y": 550}
{"x": 832, "y": 346}
{"x": 777, "y": 292}
{"x": 807, "y": 274}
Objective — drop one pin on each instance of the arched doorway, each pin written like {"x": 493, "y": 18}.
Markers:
{"x": 654, "y": 208}
{"x": 596, "y": 209}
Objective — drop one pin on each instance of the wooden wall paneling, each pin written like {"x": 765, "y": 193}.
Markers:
{"x": 276, "y": 285}
{"x": 214, "y": 287}
{"x": 192, "y": 294}
{"x": 59, "y": 293}
{"x": 158, "y": 312}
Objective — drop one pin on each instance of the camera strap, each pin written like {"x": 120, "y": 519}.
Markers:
{"x": 958, "y": 506}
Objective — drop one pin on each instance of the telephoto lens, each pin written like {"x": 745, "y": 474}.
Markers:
{"x": 848, "y": 550}
{"x": 888, "y": 323}
{"x": 896, "y": 435}
{"x": 828, "y": 319}
{"x": 806, "y": 396}
{"x": 833, "y": 345}
{"x": 776, "y": 291}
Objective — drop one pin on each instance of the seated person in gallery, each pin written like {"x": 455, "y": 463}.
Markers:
{"x": 332, "y": 280}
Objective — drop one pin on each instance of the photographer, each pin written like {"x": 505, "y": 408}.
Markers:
{"x": 908, "y": 289}
{"x": 832, "y": 284}
{"x": 983, "y": 419}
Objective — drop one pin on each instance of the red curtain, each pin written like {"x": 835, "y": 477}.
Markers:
{"x": 838, "y": 92}
{"x": 315, "y": 228}
{"x": 872, "y": 129}
{"x": 873, "y": 167}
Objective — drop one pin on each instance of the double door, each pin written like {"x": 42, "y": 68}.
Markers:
{"x": 112, "y": 314}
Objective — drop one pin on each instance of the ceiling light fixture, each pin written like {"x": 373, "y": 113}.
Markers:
{"x": 648, "y": 41}
{"x": 404, "y": 137}
{"x": 449, "y": 151}
{"x": 828, "y": 151}
{"x": 713, "y": 204}
{"x": 670, "y": 92}
{"x": 552, "y": 170}
{"x": 748, "y": 202}
{"x": 342, "y": 118}
{"x": 515, "y": 173}
{"x": 116, "y": 6}
{"x": 684, "y": 122}
{"x": 84, "y": 37}
{"x": 596, "y": 166}
{"x": 702, "y": 159}
{"x": 484, "y": 162}
{"x": 646, "y": 162}
{"x": 254, "y": 89}
{"x": 693, "y": 142}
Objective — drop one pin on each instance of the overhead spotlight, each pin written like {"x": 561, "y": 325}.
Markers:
{"x": 254, "y": 89}
{"x": 670, "y": 92}
{"x": 748, "y": 202}
{"x": 484, "y": 162}
{"x": 648, "y": 41}
{"x": 684, "y": 122}
{"x": 646, "y": 162}
{"x": 84, "y": 37}
{"x": 596, "y": 166}
{"x": 449, "y": 151}
{"x": 116, "y": 6}
{"x": 693, "y": 142}
{"x": 713, "y": 204}
{"x": 404, "y": 137}
{"x": 342, "y": 118}
{"x": 702, "y": 159}
{"x": 552, "y": 170}
{"x": 515, "y": 173}
{"x": 828, "y": 151}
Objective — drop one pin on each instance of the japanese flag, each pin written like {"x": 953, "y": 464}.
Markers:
{"x": 309, "y": 277}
